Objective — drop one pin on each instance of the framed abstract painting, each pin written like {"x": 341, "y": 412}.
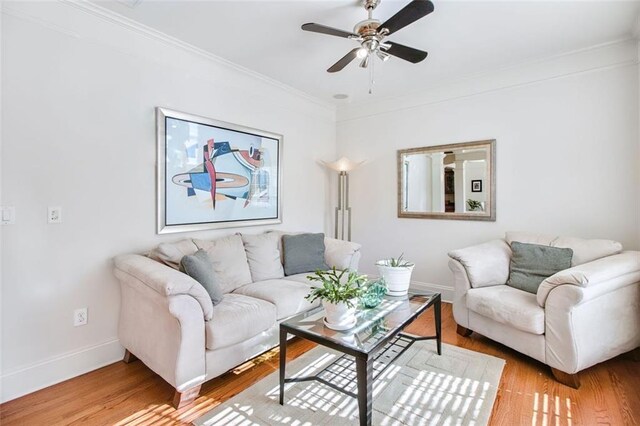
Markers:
{"x": 213, "y": 174}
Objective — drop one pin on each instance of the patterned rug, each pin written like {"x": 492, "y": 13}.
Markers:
{"x": 419, "y": 388}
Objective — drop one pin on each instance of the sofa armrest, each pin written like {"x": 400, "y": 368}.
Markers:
{"x": 486, "y": 264}
{"x": 341, "y": 254}
{"x": 588, "y": 325}
{"x": 166, "y": 332}
{"x": 164, "y": 280}
{"x": 461, "y": 286}
{"x": 598, "y": 276}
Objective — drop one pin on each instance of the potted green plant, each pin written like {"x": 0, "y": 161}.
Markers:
{"x": 396, "y": 273}
{"x": 474, "y": 205}
{"x": 339, "y": 292}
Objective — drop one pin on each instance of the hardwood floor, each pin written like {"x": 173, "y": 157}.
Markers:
{"x": 131, "y": 394}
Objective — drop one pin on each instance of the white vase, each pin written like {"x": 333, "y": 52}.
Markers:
{"x": 397, "y": 278}
{"x": 339, "y": 315}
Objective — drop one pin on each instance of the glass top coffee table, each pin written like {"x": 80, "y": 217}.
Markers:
{"x": 368, "y": 348}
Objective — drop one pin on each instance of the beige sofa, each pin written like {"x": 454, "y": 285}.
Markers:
{"x": 579, "y": 317}
{"x": 167, "y": 319}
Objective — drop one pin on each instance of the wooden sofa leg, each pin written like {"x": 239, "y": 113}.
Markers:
{"x": 181, "y": 399}
{"x": 128, "y": 357}
{"x": 463, "y": 331}
{"x": 571, "y": 380}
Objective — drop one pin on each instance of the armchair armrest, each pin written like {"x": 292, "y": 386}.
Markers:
{"x": 164, "y": 280}
{"x": 341, "y": 254}
{"x": 598, "y": 276}
{"x": 486, "y": 264}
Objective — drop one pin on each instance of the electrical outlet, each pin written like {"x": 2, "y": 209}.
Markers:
{"x": 80, "y": 317}
{"x": 8, "y": 215}
{"x": 54, "y": 215}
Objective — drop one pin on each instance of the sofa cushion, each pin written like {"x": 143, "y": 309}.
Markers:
{"x": 508, "y": 305}
{"x": 263, "y": 256}
{"x": 172, "y": 253}
{"x": 584, "y": 250}
{"x": 533, "y": 263}
{"x": 587, "y": 250}
{"x": 198, "y": 266}
{"x": 303, "y": 253}
{"x": 301, "y": 278}
{"x": 529, "y": 238}
{"x": 238, "y": 318}
{"x": 286, "y": 295}
{"x": 339, "y": 253}
{"x": 229, "y": 261}
{"x": 486, "y": 264}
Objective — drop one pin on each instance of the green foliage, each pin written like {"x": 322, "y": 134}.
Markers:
{"x": 398, "y": 262}
{"x": 335, "y": 287}
{"x": 474, "y": 205}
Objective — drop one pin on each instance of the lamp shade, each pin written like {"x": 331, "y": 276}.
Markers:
{"x": 342, "y": 165}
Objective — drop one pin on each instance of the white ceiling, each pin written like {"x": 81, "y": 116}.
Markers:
{"x": 462, "y": 37}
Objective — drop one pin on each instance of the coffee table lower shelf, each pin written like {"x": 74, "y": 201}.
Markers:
{"x": 342, "y": 374}
{"x": 379, "y": 339}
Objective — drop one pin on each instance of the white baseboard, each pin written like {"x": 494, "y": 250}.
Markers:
{"x": 15, "y": 384}
{"x": 446, "y": 292}
{"x": 40, "y": 375}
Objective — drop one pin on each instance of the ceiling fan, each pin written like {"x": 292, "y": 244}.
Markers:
{"x": 371, "y": 33}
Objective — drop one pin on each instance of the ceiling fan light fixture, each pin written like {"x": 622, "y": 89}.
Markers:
{"x": 383, "y": 55}
{"x": 371, "y": 34}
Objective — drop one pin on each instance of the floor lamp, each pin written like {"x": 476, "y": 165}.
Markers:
{"x": 343, "y": 211}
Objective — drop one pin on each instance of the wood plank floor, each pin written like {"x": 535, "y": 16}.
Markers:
{"x": 131, "y": 394}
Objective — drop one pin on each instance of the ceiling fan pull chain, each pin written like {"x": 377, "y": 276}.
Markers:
{"x": 371, "y": 80}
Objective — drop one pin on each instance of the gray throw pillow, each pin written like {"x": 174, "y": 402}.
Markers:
{"x": 303, "y": 253}
{"x": 532, "y": 263}
{"x": 198, "y": 266}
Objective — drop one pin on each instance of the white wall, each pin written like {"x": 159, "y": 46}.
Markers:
{"x": 419, "y": 183}
{"x": 78, "y": 101}
{"x": 475, "y": 170}
{"x": 567, "y": 156}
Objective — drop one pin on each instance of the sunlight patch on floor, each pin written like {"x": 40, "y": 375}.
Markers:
{"x": 547, "y": 411}
{"x": 430, "y": 396}
{"x": 165, "y": 414}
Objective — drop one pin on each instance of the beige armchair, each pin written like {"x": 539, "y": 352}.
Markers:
{"x": 579, "y": 317}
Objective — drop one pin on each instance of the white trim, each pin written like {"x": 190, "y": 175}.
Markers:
{"x": 635, "y": 31}
{"x": 57, "y": 369}
{"x": 604, "y": 56}
{"x": 109, "y": 16}
{"x": 446, "y": 292}
{"x": 130, "y": 24}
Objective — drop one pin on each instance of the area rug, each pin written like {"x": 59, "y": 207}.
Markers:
{"x": 419, "y": 388}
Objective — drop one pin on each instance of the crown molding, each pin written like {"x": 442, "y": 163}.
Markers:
{"x": 602, "y": 56}
{"x": 131, "y": 25}
{"x": 635, "y": 31}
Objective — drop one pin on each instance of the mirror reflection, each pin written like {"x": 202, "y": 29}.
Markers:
{"x": 447, "y": 181}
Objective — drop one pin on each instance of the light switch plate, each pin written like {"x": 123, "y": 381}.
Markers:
{"x": 8, "y": 215}
{"x": 55, "y": 214}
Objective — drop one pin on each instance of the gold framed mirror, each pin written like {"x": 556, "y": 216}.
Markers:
{"x": 455, "y": 181}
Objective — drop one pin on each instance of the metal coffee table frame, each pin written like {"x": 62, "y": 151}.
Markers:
{"x": 384, "y": 352}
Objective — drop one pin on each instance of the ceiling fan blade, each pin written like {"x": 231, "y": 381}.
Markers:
{"x": 410, "y": 13}
{"x": 344, "y": 61}
{"x": 323, "y": 29}
{"x": 407, "y": 53}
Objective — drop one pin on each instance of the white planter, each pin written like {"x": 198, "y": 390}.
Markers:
{"x": 397, "y": 278}
{"x": 339, "y": 316}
